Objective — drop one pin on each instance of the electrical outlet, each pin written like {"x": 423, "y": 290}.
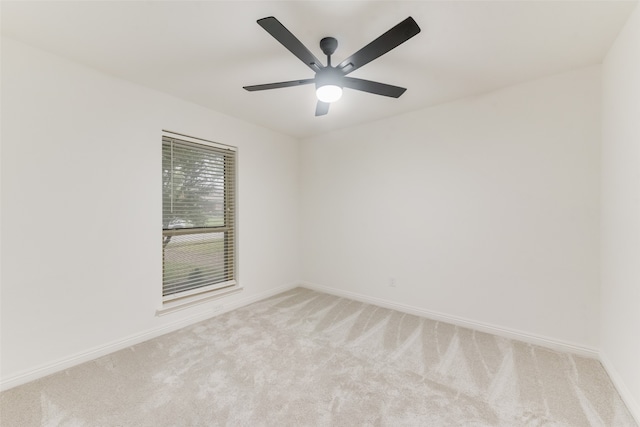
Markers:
{"x": 392, "y": 282}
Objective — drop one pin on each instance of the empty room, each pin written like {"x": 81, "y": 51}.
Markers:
{"x": 320, "y": 213}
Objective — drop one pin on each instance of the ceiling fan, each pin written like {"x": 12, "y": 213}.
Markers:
{"x": 330, "y": 80}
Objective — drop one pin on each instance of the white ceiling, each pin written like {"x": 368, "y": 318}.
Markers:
{"x": 205, "y": 52}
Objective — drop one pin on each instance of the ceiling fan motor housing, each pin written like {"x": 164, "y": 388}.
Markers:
{"x": 328, "y": 76}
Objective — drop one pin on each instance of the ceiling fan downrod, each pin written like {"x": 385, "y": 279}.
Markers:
{"x": 328, "y": 46}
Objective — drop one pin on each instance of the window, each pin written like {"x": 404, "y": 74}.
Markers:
{"x": 198, "y": 217}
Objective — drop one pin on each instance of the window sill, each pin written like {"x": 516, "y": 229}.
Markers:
{"x": 187, "y": 302}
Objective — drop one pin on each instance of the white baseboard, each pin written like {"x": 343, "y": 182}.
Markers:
{"x": 540, "y": 340}
{"x": 621, "y": 386}
{"x": 102, "y": 350}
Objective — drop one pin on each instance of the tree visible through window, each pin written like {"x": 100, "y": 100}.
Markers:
{"x": 198, "y": 216}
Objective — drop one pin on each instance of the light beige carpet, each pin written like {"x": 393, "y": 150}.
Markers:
{"x": 304, "y": 358}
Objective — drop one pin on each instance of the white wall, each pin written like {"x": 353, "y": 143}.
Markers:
{"x": 485, "y": 209}
{"x": 620, "y": 321}
{"x": 81, "y": 218}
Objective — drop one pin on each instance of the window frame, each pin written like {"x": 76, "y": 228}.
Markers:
{"x": 204, "y": 293}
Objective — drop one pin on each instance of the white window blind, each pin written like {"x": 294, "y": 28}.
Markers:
{"x": 198, "y": 216}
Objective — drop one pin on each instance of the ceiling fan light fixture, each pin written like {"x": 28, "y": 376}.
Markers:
{"x": 329, "y": 93}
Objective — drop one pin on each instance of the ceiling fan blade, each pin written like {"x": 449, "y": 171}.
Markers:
{"x": 322, "y": 108}
{"x": 288, "y": 40}
{"x": 279, "y": 85}
{"x": 373, "y": 87}
{"x": 383, "y": 44}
